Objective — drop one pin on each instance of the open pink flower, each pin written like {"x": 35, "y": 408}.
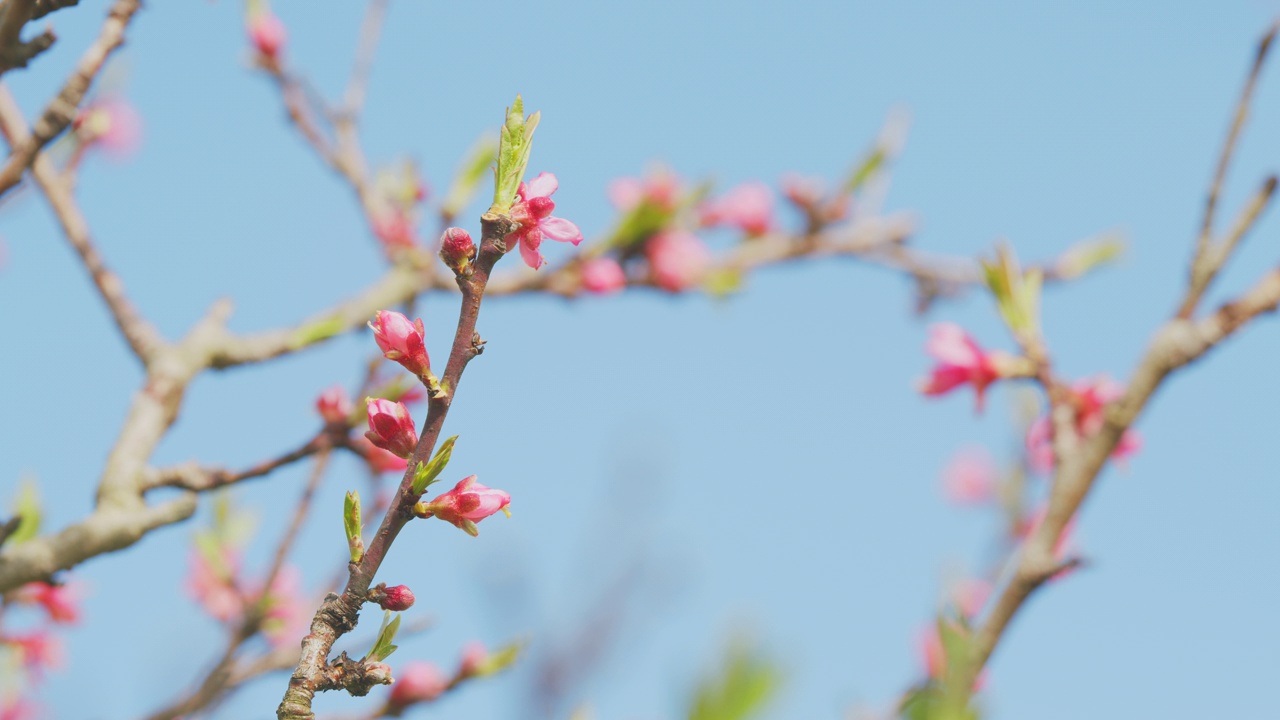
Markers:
{"x": 468, "y": 503}
{"x": 401, "y": 340}
{"x": 266, "y": 32}
{"x": 533, "y": 211}
{"x": 391, "y": 427}
{"x": 970, "y": 477}
{"x": 603, "y": 275}
{"x": 213, "y": 585}
{"x": 334, "y": 405}
{"x": 1091, "y": 396}
{"x": 417, "y": 682}
{"x": 660, "y": 188}
{"x": 960, "y": 362}
{"x": 678, "y": 259}
{"x": 59, "y": 601}
{"x": 748, "y": 207}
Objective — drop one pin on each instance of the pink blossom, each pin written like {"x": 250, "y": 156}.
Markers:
{"x": 418, "y": 682}
{"x": 111, "y": 124}
{"x": 970, "y": 596}
{"x": 379, "y": 460}
{"x": 661, "y": 189}
{"x": 19, "y": 709}
{"x": 334, "y": 405}
{"x": 970, "y": 477}
{"x": 678, "y": 259}
{"x": 402, "y": 341}
{"x": 603, "y": 275}
{"x": 748, "y": 207}
{"x": 267, "y": 33}
{"x": 391, "y": 427}
{"x": 1090, "y": 396}
{"x": 960, "y": 361}
{"x": 213, "y": 585}
{"x": 397, "y": 598}
{"x": 468, "y": 503}
{"x": 40, "y": 650}
{"x": 395, "y": 229}
{"x": 59, "y": 601}
{"x": 288, "y": 614}
{"x": 474, "y": 656}
{"x": 533, "y": 211}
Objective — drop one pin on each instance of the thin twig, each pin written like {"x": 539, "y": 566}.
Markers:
{"x": 370, "y": 29}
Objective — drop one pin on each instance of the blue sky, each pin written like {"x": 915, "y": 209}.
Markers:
{"x": 756, "y": 465}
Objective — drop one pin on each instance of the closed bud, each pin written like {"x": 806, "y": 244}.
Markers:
{"x": 401, "y": 340}
{"x": 334, "y": 405}
{"x": 396, "y": 598}
{"x": 457, "y": 250}
{"x": 391, "y": 427}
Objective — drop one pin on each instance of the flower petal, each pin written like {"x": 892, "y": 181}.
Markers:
{"x": 560, "y": 230}
{"x": 541, "y": 186}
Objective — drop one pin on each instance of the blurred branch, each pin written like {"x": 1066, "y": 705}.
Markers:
{"x": 370, "y": 30}
{"x": 60, "y": 111}
{"x": 14, "y": 51}
{"x": 1179, "y": 342}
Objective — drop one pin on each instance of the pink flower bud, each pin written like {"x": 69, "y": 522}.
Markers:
{"x": 418, "y": 682}
{"x": 474, "y": 655}
{"x": 378, "y": 674}
{"x": 603, "y": 275}
{"x": 960, "y": 361}
{"x": 395, "y": 230}
{"x": 970, "y": 477}
{"x": 397, "y": 598}
{"x": 334, "y": 405}
{"x": 267, "y": 33}
{"x": 748, "y": 207}
{"x": 212, "y": 583}
{"x": 678, "y": 259}
{"x": 468, "y": 503}
{"x": 390, "y": 427}
{"x": 111, "y": 124}
{"x": 401, "y": 340}
{"x": 457, "y": 249}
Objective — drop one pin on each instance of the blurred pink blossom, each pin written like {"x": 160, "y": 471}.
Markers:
{"x": 266, "y": 32}
{"x": 288, "y": 613}
{"x": 603, "y": 275}
{"x": 748, "y": 207}
{"x": 1090, "y": 396}
{"x": 970, "y": 478}
{"x": 533, "y": 210}
{"x": 59, "y": 601}
{"x": 660, "y": 188}
{"x": 17, "y": 708}
{"x": 960, "y": 362}
{"x": 474, "y": 655}
{"x": 109, "y": 123}
{"x": 334, "y": 405}
{"x": 40, "y": 650}
{"x": 679, "y": 260}
{"x": 379, "y": 460}
{"x": 418, "y": 681}
{"x": 213, "y": 584}
{"x": 395, "y": 229}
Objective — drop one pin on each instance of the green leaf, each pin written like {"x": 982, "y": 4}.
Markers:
{"x": 382, "y": 647}
{"x": 864, "y": 170}
{"x": 514, "y": 147}
{"x": 426, "y": 474}
{"x": 1017, "y": 293}
{"x": 500, "y": 659}
{"x": 739, "y": 691}
{"x": 351, "y": 523}
{"x": 27, "y": 507}
{"x": 477, "y": 160}
{"x": 1089, "y": 255}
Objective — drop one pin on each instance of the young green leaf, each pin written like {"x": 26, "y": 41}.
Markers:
{"x": 352, "y": 525}
{"x": 382, "y": 647}
{"x": 424, "y": 475}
